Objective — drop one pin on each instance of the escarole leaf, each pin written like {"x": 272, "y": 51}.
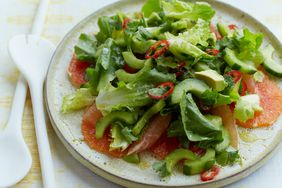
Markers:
{"x": 118, "y": 140}
{"x": 180, "y": 47}
{"x": 248, "y": 46}
{"x": 246, "y": 107}
{"x": 78, "y": 100}
{"x": 197, "y": 127}
{"x": 127, "y": 96}
{"x": 86, "y": 47}
{"x": 199, "y": 34}
{"x": 186, "y": 43}
{"x": 127, "y": 133}
{"x": 178, "y": 9}
{"x": 121, "y": 137}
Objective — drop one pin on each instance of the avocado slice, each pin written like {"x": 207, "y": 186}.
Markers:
{"x": 201, "y": 164}
{"x": 201, "y": 66}
{"x": 212, "y": 78}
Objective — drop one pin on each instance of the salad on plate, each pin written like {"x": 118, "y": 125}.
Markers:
{"x": 170, "y": 82}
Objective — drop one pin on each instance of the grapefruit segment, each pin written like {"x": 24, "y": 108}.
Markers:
{"x": 164, "y": 146}
{"x": 270, "y": 100}
{"x": 76, "y": 71}
{"x": 90, "y": 117}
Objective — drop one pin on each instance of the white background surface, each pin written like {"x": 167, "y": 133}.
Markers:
{"x": 16, "y": 17}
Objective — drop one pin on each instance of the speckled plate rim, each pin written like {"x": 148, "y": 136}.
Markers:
{"x": 131, "y": 183}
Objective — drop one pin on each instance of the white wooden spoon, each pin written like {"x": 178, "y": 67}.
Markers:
{"x": 15, "y": 158}
{"x": 32, "y": 56}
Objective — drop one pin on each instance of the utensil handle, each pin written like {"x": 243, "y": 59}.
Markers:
{"x": 15, "y": 120}
{"x": 38, "y": 109}
{"x": 42, "y": 136}
{"x": 39, "y": 18}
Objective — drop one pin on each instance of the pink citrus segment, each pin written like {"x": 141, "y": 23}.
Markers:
{"x": 270, "y": 100}
{"x": 90, "y": 117}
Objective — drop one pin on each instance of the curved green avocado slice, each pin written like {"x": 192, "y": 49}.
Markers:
{"x": 212, "y": 78}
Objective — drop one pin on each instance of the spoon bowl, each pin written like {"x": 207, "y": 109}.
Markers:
{"x": 14, "y": 155}
{"x": 32, "y": 55}
{"x": 15, "y": 158}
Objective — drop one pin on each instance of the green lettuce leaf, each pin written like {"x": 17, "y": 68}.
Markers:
{"x": 178, "y": 9}
{"x": 209, "y": 97}
{"x": 226, "y": 158}
{"x": 119, "y": 142}
{"x": 186, "y": 43}
{"x": 213, "y": 98}
{"x": 199, "y": 34}
{"x": 166, "y": 62}
{"x": 229, "y": 95}
{"x": 92, "y": 75}
{"x": 248, "y": 46}
{"x": 197, "y": 127}
{"x": 106, "y": 28}
{"x": 86, "y": 47}
{"x": 110, "y": 62}
{"x": 127, "y": 133}
{"x": 182, "y": 24}
{"x": 78, "y": 100}
{"x": 110, "y": 59}
{"x": 144, "y": 33}
{"x": 151, "y": 6}
{"x": 176, "y": 129}
{"x": 181, "y": 48}
{"x": 108, "y": 25}
{"x": 127, "y": 96}
{"x": 246, "y": 107}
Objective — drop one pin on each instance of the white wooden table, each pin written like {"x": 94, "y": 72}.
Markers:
{"x": 16, "y": 17}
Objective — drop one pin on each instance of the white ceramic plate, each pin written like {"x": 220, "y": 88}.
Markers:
{"x": 67, "y": 126}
